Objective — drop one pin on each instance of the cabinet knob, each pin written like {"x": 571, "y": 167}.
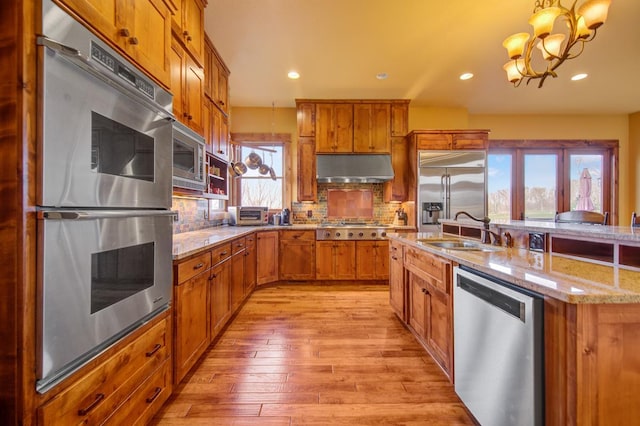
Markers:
{"x": 220, "y": 151}
{"x": 133, "y": 40}
{"x": 124, "y": 32}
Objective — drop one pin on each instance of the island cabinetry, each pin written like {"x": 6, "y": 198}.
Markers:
{"x": 237, "y": 272}
{"x": 397, "y": 293}
{"x": 250, "y": 258}
{"x": 372, "y": 260}
{"x": 371, "y": 128}
{"x": 267, "y": 257}
{"x": 334, "y": 128}
{"x": 191, "y": 302}
{"x": 430, "y": 312}
{"x": 132, "y": 382}
{"x": 297, "y": 255}
{"x": 335, "y": 260}
{"x": 450, "y": 139}
{"x": 307, "y": 188}
{"x": 143, "y": 32}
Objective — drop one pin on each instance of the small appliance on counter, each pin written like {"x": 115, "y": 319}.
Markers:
{"x": 248, "y": 216}
{"x": 431, "y": 213}
{"x": 285, "y": 217}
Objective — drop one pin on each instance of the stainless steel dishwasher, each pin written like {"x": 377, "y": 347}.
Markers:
{"x": 498, "y": 344}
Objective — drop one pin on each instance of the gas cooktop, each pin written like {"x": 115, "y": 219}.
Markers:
{"x": 351, "y": 231}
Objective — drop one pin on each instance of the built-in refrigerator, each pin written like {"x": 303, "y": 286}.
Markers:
{"x": 449, "y": 182}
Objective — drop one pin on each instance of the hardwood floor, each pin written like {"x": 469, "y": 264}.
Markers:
{"x": 315, "y": 355}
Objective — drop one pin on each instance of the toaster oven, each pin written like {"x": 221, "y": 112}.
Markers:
{"x": 248, "y": 216}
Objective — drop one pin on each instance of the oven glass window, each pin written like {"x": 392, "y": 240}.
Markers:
{"x": 120, "y": 273}
{"x": 183, "y": 156}
{"x": 120, "y": 150}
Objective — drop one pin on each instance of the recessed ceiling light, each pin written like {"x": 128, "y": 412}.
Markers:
{"x": 382, "y": 76}
{"x": 579, "y": 77}
{"x": 293, "y": 75}
{"x": 466, "y": 76}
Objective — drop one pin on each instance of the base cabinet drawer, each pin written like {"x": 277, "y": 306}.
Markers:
{"x": 108, "y": 387}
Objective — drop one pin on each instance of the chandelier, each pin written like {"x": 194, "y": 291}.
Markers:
{"x": 555, "y": 48}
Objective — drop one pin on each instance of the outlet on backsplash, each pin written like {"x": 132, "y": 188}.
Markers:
{"x": 309, "y": 213}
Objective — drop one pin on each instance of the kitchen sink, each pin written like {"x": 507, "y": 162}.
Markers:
{"x": 457, "y": 244}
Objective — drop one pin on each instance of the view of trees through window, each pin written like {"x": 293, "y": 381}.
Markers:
{"x": 582, "y": 182}
{"x": 258, "y": 189}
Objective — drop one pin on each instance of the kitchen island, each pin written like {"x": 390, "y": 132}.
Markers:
{"x": 591, "y": 308}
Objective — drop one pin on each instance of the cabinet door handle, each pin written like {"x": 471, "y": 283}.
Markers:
{"x": 425, "y": 291}
{"x": 124, "y": 32}
{"x": 153, "y": 397}
{"x": 295, "y": 237}
{"x": 198, "y": 266}
{"x": 394, "y": 258}
{"x": 155, "y": 349}
{"x": 84, "y": 411}
{"x": 133, "y": 40}
{"x": 224, "y": 253}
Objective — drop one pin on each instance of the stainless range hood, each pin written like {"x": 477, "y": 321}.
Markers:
{"x": 359, "y": 168}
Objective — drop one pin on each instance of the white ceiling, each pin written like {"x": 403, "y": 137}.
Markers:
{"x": 339, "y": 46}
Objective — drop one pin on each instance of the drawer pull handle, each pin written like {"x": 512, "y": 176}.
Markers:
{"x": 155, "y": 349}
{"x": 198, "y": 266}
{"x": 96, "y": 401}
{"x": 224, "y": 253}
{"x": 153, "y": 397}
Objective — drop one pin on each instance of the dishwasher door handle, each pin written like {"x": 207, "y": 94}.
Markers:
{"x": 506, "y": 303}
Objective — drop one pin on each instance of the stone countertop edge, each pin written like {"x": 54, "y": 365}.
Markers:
{"x": 604, "y": 232}
{"x": 187, "y": 244}
{"x": 531, "y": 270}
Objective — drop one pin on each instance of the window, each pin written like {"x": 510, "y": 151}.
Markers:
{"x": 536, "y": 179}
{"x": 259, "y": 189}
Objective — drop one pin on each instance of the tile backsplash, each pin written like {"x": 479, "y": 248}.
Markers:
{"x": 195, "y": 214}
{"x": 382, "y": 212}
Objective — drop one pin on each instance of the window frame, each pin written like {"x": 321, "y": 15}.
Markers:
{"x": 239, "y": 140}
{"x": 564, "y": 148}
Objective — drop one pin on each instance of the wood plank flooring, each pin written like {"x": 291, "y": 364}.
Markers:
{"x": 315, "y": 355}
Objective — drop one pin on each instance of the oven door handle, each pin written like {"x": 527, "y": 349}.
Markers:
{"x": 101, "y": 214}
{"x": 76, "y": 57}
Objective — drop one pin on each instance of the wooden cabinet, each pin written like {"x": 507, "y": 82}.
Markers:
{"x": 430, "y": 310}
{"x": 188, "y": 27}
{"x": 217, "y": 76}
{"x": 399, "y": 119}
{"x": 132, "y": 382}
{"x": 372, "y": 260}
{"x": 219, "y": 292}
{"x": 307, "y": 188}
{"x": 306, "y": 117}
{"x": 334, "y": 128}
{"x": 297, "y": 255}
{"x": 237, "y": 272}
{"x": 218, "y": 143}
{"x": 191, "y": 313}
{"x": 335, "y": 260}
{"x": 371, "y": 128}
{"x": 397, "y": 293}
{"x": 402, "y": 186}
{"x": 250, "y": 258}
{"x": 267, "y": 257}
{"x": 187, "y": 86}
{"x": 450, "y": 139}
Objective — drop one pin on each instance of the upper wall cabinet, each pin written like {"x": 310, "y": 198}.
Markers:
{"x": 217, "y": 78}
{"x": 449, "y": 139}
{"x": 187, "y": 80}
{"x": 188, "y": 27}
{"x": 352, "y": 126}
{"x": 143, "y": 32}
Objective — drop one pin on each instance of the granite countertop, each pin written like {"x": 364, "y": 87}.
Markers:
{"x": 566, "y": 279}
{"x": 189, "y": 243}
{"x": 605, "y": 232}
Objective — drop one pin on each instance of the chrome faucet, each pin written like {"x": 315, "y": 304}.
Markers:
{"x": 486, "y": 233}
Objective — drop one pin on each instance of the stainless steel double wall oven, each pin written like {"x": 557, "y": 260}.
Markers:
{"x": 104, "y": 197}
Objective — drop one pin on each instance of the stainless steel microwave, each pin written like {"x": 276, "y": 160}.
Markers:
{"x": 254, "y": 216}
{"x": 188, "y": 158}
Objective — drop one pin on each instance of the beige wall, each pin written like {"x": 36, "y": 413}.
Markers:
{"x": 622, "y": 127}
